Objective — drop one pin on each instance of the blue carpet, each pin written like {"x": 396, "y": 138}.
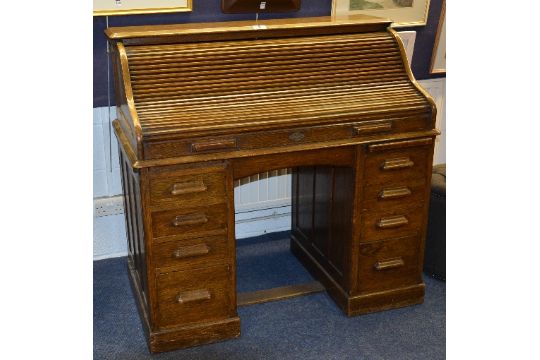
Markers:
{"x": 308, "y": 327}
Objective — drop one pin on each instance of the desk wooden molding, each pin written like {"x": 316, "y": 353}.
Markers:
{"x": 200, "y": 105}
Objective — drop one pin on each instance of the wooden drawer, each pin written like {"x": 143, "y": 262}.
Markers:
{"x": 189, "y": 221}
{"x": 390, "y": 223}
{"x": 398, "y": 161}
{"x": 188, "y": 190}
{"x": 193, "y": 252}
{"x": 300, "y": 135}
{"x": 388, "y": 264}
{"x": 399, "y": 194}
{"x": 196, "y": 295}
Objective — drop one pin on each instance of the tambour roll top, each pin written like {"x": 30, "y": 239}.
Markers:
{"x": 203, "y": 82}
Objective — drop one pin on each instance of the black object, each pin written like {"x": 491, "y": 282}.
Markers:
{"x": 435, "y": 252}
{"x": 259, "y": 6}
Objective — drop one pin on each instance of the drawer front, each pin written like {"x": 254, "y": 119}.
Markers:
{"x": 390, "y": 223}
{"x": 188, "y": 190}
{"x": 388, "y": 264}
{"x": 193, "y": 252}
{"x": 388, "y": 166}
{"x": 300, "y": 135}
{"x": 399, "y": 194}
{"x": 203, "y": 294}
{"x": 189, "y": 221}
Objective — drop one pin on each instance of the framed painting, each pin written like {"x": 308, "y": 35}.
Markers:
{"x": 132, "y": 7}
{"x": 401, "y": 12}
{"x": 438, "y": 58}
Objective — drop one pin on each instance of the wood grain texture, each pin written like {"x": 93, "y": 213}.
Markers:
{"x": 211, "y": 31}
{"x": 195, "y": 295}
{"x": 201, "y": 105}
{"x": 279, "y": 293}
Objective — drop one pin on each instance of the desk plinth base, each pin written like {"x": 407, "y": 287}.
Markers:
{"x": 198, "y": 334}
{"x": 353, "y": 305}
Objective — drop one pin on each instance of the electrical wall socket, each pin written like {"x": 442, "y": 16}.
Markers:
{"x": 108, "y": 206}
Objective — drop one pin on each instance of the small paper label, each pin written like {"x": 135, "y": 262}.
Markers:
{"x": 262, "y": 6}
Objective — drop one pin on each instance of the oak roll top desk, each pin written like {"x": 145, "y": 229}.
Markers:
{"x": 200, "y": 105}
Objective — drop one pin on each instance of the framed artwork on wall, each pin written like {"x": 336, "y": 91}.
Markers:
{"x": 438, "y": 59}
{"x": 401, "y": 12}
{"x": 132, "y": 7}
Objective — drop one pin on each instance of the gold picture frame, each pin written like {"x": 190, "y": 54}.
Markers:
{"x": 438, "y": 58}
{"x": 133, "y": 7}
{"x": 397, "y": 10}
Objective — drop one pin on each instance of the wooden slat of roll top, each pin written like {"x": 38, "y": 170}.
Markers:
{"x": 185, "y": 63}
{"x": 246, "y": 90}
{"x": 217, "y": 129}
{"x": 303, "y": 93}
{"x": 399, "y": 92}
{"x": 296, "y": 67}
{"x": 297, "y": 109}
{"x": 232, "y": 84}
{"x": 187, "y": 60}
{"x": 254, "y": 87}
{"x": 269, "y": 49}
{"x": 224, "y": 82}
{"x": 309, "y": 56}
{"x": 256, "y": 104}
{"x": 283, "y": 92}
{"x": 194, "y": 80}
{"x": 159, "y": 70}
{"x": 292, "y": 109}
{"x": 174, "y": 76}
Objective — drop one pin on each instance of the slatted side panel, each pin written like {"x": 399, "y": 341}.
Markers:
{"x": 134, "y": 224}
{"x": 322, "y": 214}
{"x": 220, "y": 84}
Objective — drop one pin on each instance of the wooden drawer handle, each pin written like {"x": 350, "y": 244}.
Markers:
{"x": 194, "y": 295}
{"x": 372, "y": 128}
{"x": 191, "y": 219}
{"x": 221, "y": 144}
{"x": 396, "y": 164}
{"x": 393, "y": 193}
{"x": 190, "y": 187}
{"x": 399, "y": 144}
{"x": 388, "y": 264}
{"x": 189, "y": 251}
{"x": 392, "y": 222}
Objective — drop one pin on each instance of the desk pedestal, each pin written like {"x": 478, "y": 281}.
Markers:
{"x": 358, "y": 224}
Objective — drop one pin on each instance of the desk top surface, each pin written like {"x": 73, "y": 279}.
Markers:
{"x": 315, "y": 24}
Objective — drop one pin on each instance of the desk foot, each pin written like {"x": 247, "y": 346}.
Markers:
{"x": 385, "y": 300}
{"x": 197, "y": 334}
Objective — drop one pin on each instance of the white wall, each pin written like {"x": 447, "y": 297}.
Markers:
{"x": 262, "y": 201}
{"x": 437, "y": 89}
